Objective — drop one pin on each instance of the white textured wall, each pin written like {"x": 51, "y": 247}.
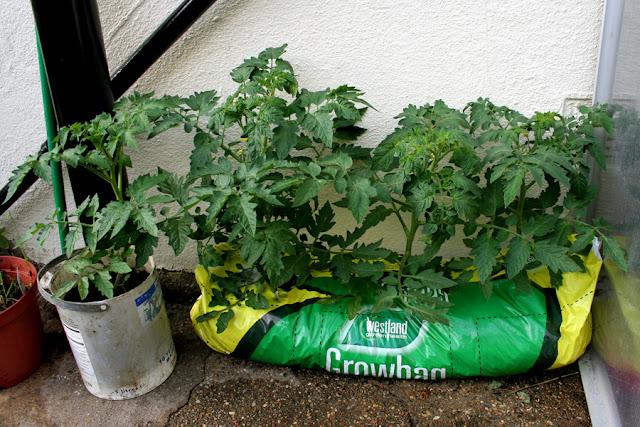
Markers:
{"x": 531, "y": 55}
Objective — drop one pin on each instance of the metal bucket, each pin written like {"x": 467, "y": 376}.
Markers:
{"x": 123, "y": 347}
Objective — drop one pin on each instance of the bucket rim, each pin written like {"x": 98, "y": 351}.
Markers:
{"x": 88, "y": 306}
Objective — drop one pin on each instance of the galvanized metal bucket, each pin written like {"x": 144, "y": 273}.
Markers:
{"x": 123, "y": 347}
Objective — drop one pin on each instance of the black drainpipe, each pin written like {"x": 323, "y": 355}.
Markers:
{"x": 66, "y": 17}
{"x": 76, "y": 66}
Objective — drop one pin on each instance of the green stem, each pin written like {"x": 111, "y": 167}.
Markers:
{"x": 97, "y": 172}
{"x": 521, "y": 200}
{"x": 395, "y": 209}
{"x": 407, "y": 249}
{"x": 226, "y": 149}
{"x": 315, "y": 248}
{"x": 82, "y": 224}
{"x": 496, "y": 227}
{"x": 396, "y": 212}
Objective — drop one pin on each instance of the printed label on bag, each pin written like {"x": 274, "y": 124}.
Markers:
{"x": 150, "y": 304}
{"x": 81, "y": 355}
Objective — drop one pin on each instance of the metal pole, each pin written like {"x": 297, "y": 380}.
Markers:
{"x": 608, "y": 54}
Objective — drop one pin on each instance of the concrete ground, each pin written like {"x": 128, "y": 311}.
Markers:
{"x": 209, "y": 389}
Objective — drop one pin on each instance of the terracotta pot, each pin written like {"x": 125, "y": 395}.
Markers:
{"x": 20, "y": 327}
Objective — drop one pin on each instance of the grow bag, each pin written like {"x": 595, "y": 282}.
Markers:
{"x": 509, "y": 333}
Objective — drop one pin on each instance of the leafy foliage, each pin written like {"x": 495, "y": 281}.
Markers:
{"x": 265, "y": 157}
{"x": 109, "y": 230}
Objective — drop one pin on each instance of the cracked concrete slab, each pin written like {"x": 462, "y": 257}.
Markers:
{"x": 55, "y": 395}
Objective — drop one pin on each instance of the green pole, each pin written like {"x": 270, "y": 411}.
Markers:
{"x": 52, "y": 131}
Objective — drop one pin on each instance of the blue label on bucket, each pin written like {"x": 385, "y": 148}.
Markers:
{"x": 145, "y": 297}
{"x": 150, "y": 303}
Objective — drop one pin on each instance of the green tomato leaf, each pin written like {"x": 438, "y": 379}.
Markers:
{"x": 492, "y": 199}
{"x": 522, "y": 282}
{"x": 257, "y": 301}
{"x": 62, "y": 290}
{"x": 340, "y": 159}
{"x": 223, "y": 321}
{"x": 245, "y": 210}
{"x": 611, "y": 248}
{"x": 597, "y": 152}
{"x": 422, "y": 196}
{"x": 73, "y": 156}
{"x": 514, "y": 183}
{"x": 83, "y": 287}
{"x": 385, "y": 299}
{"x": 308, "y": 190}
{"x": 122, "y": 219}
{"x": 144, "y": 183}
{"x": 517, "y": 256}
{"x": 583, "y": 240}
{"x": 323, "y": 221}
{"x": 540, "y": 226}
{"x": 353, "y": 307}
{"x": 144, "y": 246}
{"x": 145, "y": 219}
{"x": 321, "y": 124}
{"x": 359, "y": 191}
{"x": 339, "y": 267}
{"x": 285, "y": 138}
{"x": 485, "y": 248}
{"x": 434, "y": 280}
{"x": 119, "y": 266}
{"x": 108, "y": 216}
{"x": 102, "y": 280}
{"x": 554, "y": 257}
{"x": 427, "y": 314}
{"x": 371, "y": 251}
{"x": 178, "y": 231}
{"x": 366, "y": 269}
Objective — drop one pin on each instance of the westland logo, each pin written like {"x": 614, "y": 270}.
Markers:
{"x": 388, "y": 329}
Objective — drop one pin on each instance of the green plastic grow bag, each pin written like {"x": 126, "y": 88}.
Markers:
{"x": 511, "y": 332}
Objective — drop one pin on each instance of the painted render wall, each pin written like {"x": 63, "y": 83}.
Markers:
{"x": 530, "y": 55}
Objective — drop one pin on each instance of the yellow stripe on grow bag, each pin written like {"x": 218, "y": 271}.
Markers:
{"x": 575, "y": 297}
{"x": 227, "y": 341}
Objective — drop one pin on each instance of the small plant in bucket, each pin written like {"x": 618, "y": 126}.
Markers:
{"x": 113, "y": 231}
{"x": 116, "y": 361}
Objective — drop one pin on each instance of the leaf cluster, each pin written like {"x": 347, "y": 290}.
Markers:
{"x": 266, "y": 158}
{"x": 109, "y": 229}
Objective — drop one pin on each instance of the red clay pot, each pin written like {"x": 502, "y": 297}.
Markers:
{"x": 20, "y": 327}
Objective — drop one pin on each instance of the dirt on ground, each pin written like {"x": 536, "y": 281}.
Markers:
{"x": 307, "y": 397}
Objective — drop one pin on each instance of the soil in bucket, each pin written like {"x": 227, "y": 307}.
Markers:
{"x": 136, "y": 277}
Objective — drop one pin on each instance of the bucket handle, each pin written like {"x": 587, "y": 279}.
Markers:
{"x": 45, "y": 276}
